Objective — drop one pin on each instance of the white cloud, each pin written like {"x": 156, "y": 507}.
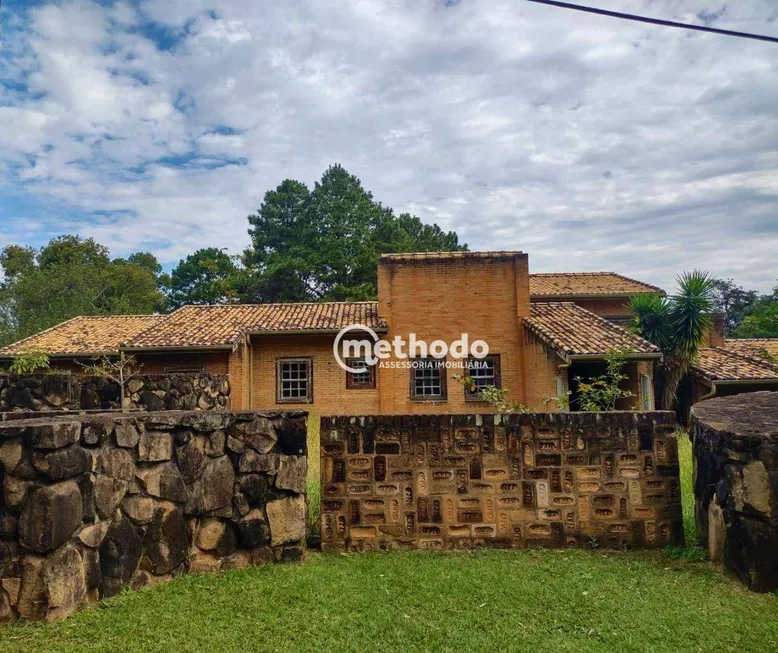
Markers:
{"x": 589, "y": 142}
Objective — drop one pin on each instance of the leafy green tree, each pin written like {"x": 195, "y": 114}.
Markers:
{"x": 16, "y": 260}
{"x": 324, "y": 244}
{"x": 732, "y": 300}
{"x": 71, "y": 276}
{"x": 209, "y": 276}
{"x": 678, "y": 325}
{"x": 29, "y": 361}
{"x": 760, "y": 322}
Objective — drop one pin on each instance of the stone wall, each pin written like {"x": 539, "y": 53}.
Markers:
{"x": 458, "y": 481}
{"x": 72, "y": 392}
{"x": 736, "y": 484}
{"x": 94, "y": 503}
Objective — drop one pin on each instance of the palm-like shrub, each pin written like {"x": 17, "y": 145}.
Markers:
{"x": 678, "y": 325}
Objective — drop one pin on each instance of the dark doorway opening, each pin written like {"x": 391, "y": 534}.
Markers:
{"x": 587, "y": 370}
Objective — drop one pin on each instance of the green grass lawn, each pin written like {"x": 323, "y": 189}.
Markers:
{"x": 423, "y": 601}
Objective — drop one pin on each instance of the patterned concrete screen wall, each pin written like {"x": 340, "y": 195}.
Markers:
{"x": 458, "y": 481}
{"x": 94, "y": 503}
{"x": 62, "y": 392}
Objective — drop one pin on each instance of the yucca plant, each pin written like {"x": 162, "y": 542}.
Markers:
{"x": 678, "y": 325}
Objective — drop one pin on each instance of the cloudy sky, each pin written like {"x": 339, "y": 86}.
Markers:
{"x": 589, "y": 142}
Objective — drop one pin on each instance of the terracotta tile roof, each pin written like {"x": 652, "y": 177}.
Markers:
{"x": 85, "y": 335}
{"x": 448, "y": 256}
{"x": 753, "y": 347}
{"x": 567, "y": 285}
{"x": 574, "y": 331}
{"x": 719, "y": 364}
{"x": 223, "y": 326}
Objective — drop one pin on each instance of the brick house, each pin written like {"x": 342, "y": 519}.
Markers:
{"x": 603, "y": 293}
{"x": 729, "y": 367}
{"x": 542, "y": 330}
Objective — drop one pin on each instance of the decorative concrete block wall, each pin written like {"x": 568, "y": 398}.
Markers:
{"x": 736, "y": 484}
{"x": 60, "y": 392}
{"x": 93, "y": 503}
{"x": 459, "y": 481}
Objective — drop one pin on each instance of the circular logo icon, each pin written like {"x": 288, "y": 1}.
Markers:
{"x": 363, "y": 344}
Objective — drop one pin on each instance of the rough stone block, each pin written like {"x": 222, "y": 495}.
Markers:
{"x": 63, "y": 577}
{"x": 253, "y": 530}
{"x": 62, "y": 463}
{"x": 214, "y": 488}
{"x": 139, "y": 509}
{"x": 93, "y": 536}
{"x": 10, "y": 454}
{"x": 292, "y": 473}
{"x": 120, "y": 553}
{"x": 15, "y": 490}
{"x": 251, "y": 461}
{"x": 259, "y": 434}
{"x": 287, "y": 520}
{"x": 207, "y": 422}
{"x": 750, "y": 488}
{"x": 53, "y": 435}
{"x": 127, "y": 435}
{"x": 164, "y": 481}
{"x": 50, "y": 515}
{"x": 166, "y": 542}
{"x": 96, "y": 433}
{"x": 108, "y": 494}
{"x": 117, "y": 463}
{"x": 155, "y": 446}
{"x": 189, "y": 458}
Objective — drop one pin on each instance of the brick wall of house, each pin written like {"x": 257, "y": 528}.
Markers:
{"x": 541, "y": 367}
{"x": 239, "y": 365}
{"x": 330, "y": 395}
{"x": 605, "y": 307}
{"x": 214, "y": 362}
{"x": 484, "y": 298}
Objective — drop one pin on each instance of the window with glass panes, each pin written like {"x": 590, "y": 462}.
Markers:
{"x": 428, "y": 378}
{"x": 483, "y": 372}
{"x": 294, "y": 380}
{"x": 363, "y": 379}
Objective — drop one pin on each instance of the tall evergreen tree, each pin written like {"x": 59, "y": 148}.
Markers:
{"x": 209, "y": 276}
{"x": 324, "y": 244}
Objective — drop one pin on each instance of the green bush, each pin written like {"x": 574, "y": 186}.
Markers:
{"x": 29, "y": 361}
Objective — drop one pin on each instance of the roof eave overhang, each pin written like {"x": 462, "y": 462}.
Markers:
{"x": 632, "y": 357}
{"x": 742, "y": 381}
{"x": 308, "y": 332}
{"x": 183, "y": 348}
{"x": 570, "y": 298}
{"x": 74, "y": 354}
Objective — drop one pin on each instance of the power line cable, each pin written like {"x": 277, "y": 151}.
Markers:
{"x": 656, "y": 21}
